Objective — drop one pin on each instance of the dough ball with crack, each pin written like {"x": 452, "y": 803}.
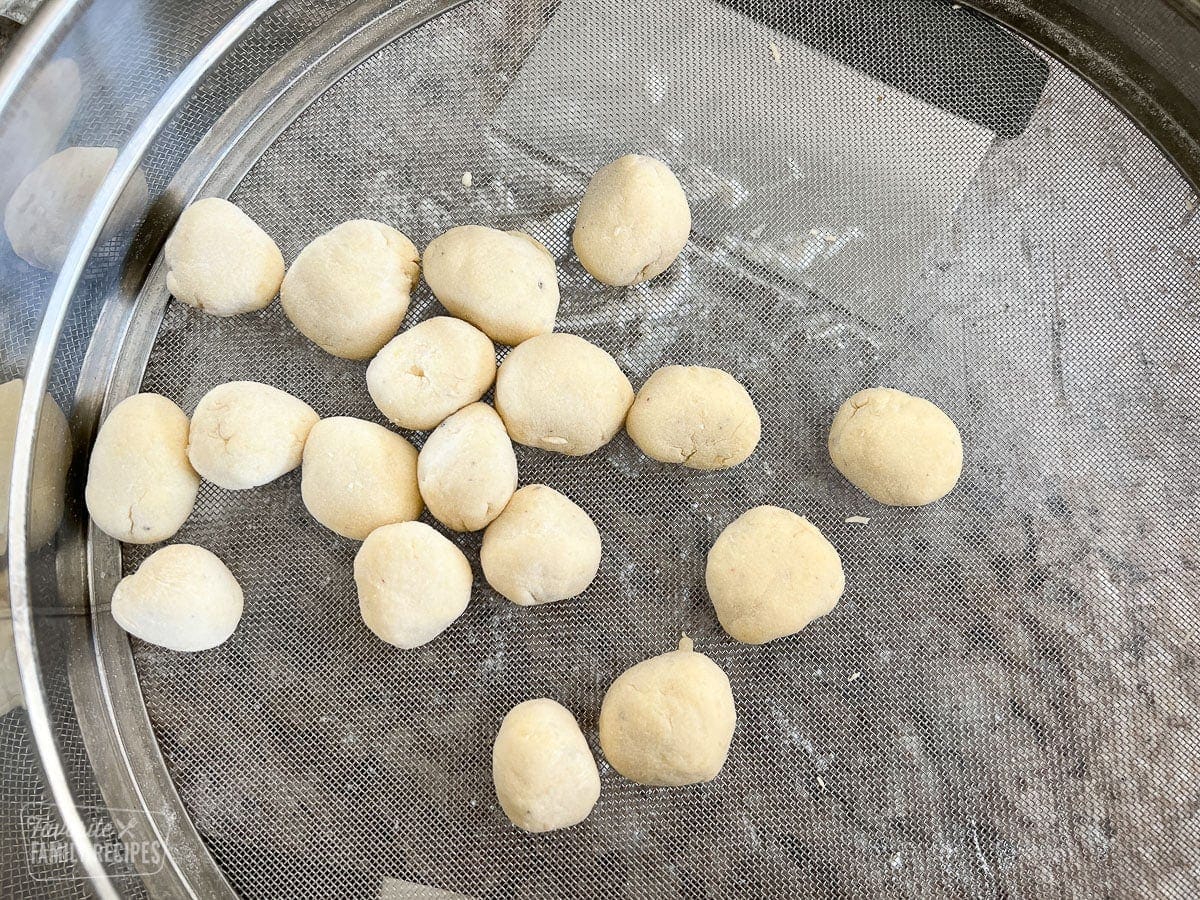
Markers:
{"x": 51, "y": 459}
{"x": 467, "y": 470}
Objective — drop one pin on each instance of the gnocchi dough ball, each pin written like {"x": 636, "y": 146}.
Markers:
{"x": 220, "y": 261}
{"x": 542, "y": 768}
{"x": 51, "y": 459}
{"x": 245, "y": 434}
{"x": 412, "y": 583}
{"x": 503, "y": 282}
{"x": 896, "y": 448}
{"x": 770, "y": 573}
{"x": 357, "y": 476}
{"x": 541, "y": 548}
{"x": 182, "y": 598}
{"x": 141, "y": 487}
{"x": 558, "y": 392}
{"x": 669, "y": 720}
{"x": 633, "y": 221}
{"x": 467, "y": 470}
{"x": 430, "y": 371}
{"x": 348, "y": 290}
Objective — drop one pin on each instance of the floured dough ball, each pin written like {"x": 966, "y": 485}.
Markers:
{"x": 542, "y": 548}
{"x": 358, "y": 476}
{"x": 348, "y": 290}
{"x": 669, "y": 720}
{"x": 431, "y": 370}
{"x": 245, "y": 434}
{"x": 503, "y": 282}
{"x": 542, "y": 767}
{"x": 51, "y": 459}
{"x": 182, "y": 598}
{"x": 141, "y": 487}
{"x": 220, "y": 261}
{"x": 412, "y": 583}
{"x": 467, "y": 470}
{"x": 560, "y": 393}
{"x": 770, "y": 573}
{"x": 896, "y": 448}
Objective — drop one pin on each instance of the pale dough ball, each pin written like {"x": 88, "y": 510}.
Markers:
{"x": 770, "y": 573}
{"x": 412, "y": 583}
{"x": 141, "y": 487}
{"x": 632, "y": 222}
{"x": 358, "y": 476}
{"x": 220, "y": 261}
{"x": 541, "y": 548}
{"x": 245, "y": 434}
{"x": 11, "y": 695}
{"x": 51, "y": 459}
{"x": 182, "y": 598}
{"x": 467, "y": 470}
{"x": 896, "y": 448}
{"x": 542, "y": 767}
{"x": 503, "y": 282}
{"x": 431, "y": 370}
{"x": 560, "y": 393}
{"x": 348, "y": 290}
{"x": 669, "y": 719}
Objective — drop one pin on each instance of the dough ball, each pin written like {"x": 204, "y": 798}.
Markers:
{"x": 543, "y": 770}
{"x": 11, "y": 695}
{"x": 467, "y": 470}
{"x": 348, "y": 290}
{"x": 412, "y": 583}
{"x": 669, "y": 720}
{"x": 431, "y": 370}
{"x": 358, "y": 476}
{"x": 503, "y": 282}
{"x": 141, "y": 487}
{"x": 542, "y": 548}
{"x": 182, "y": 598}
{"x": 245, "y": 434}
{"x": 220, "y": 261}
{"x": 770, "y": 573}
{"x": 896, "y": 448}
{"x": 560, "y": 393}
{"x": 632, "y": 222}
{"x": 51, "y": 459}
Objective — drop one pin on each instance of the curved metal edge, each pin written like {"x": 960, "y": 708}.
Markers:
{"x": 50, "y": 19}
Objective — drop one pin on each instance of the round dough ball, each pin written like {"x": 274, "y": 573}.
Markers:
{"x": 467, "y": 470}
{"x": 770, "y": 573}
{"x": 543, "y": 770}
{"x": 430, "y": 371}
{"x": 560, "y": 393}
{"x": 896, "y": 448}
{"x": 412, "y": 583}
{"x": 632, "y": 222}
{"x": 220, "y": 261}
{"x": 503, "y": 282}
{"x": 141, "y": 487}
{"x": 358, "y": 476}
{"x": 348, "y": 290}
{"x": 245, "y": 434}
{"x": 51, "y": 459}
{"x": 542, "y": 548}
{"x": 669, "y": 719}
{"x": 182, "y": 598}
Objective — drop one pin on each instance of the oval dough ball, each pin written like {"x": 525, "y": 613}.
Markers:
{"x": 412, "y": 583}
{"x": 182, "y": 598}
{"x": 896, "y": 448}
{"x": 542, "y": 548}
{"x": 245, "y": 434}
{"x": 560, "y": 393}
{"x": 669, "y": 720}
{"x": 348, "y": 290}
{"x": 430, "y": 371}
{"x": 220, "y": 261}
{"x": 467, "y": 470}
{"x": 358, "y": 476}
{"x": 141, "y": 487}
{"x": 633, "y": 221}
{"x": 51, "y": 459}
{"x": 543, "y": 770}
{"x": 503, "y": 282}
{"x": 770, "y": 573}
